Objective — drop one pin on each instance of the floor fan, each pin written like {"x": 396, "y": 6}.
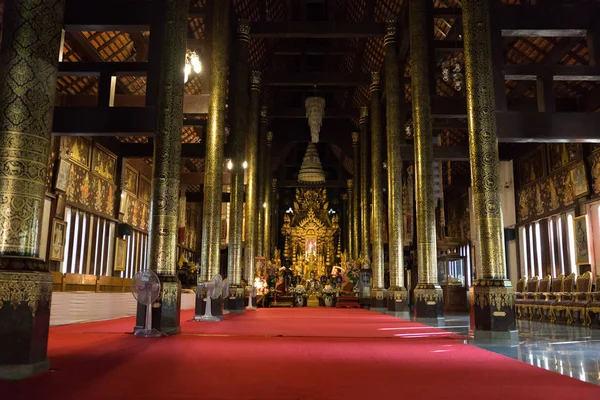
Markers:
{"x": 225, "y": 295}
{"x": 214, "y": 289}
{"x": 145, "y": 288}
{"x": 251, "y": 295}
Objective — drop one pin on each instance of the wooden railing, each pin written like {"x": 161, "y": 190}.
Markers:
{"x": 89, "y": 283}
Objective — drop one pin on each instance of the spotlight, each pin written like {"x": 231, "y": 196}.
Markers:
{"x": 229, "y": 165}
{"x": 245, "y": 164}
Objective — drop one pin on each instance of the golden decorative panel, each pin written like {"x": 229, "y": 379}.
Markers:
{"x": 88, "y": 191}
{"x": 31, "y": 288}
{"x": 104, "y": 163}
{"x": 77, "y": 149}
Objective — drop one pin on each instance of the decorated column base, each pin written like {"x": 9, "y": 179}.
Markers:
{"x": 166, "y": 315}
{"x": 378, "y": 298}
{"x": 398, "y": 300}
{"x": 235, "y": 302}
{"x": 429, "y": 303}
{"x": 493, "y": 309}
{"x": 25, "y": 299}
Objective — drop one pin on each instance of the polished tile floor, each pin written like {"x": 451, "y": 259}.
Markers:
{"x": 569, "y": 350}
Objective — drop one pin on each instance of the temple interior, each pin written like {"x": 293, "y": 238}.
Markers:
{"x": 259, "y": 199}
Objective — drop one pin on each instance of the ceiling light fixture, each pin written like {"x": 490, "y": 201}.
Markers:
{"x": 192, "y": 64}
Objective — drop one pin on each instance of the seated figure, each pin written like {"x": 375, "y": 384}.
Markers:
{"x": 312, "y": 284}
{"x": 347, "y": 287}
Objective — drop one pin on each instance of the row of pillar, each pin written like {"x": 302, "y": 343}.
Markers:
{"x": 493, "y": 295}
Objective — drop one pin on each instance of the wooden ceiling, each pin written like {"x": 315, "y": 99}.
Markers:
{"x": 286, "y": 60}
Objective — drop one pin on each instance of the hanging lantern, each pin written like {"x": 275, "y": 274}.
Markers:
{"x": 311, "y": 170}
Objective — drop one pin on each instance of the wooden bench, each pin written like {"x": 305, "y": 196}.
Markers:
{"x": 109, "y": 284}
{"x": 79, "y": 283}
{"x": 57, "y": 281}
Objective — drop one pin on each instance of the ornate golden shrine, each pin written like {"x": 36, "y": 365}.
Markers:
{"x": 310, "y": 233}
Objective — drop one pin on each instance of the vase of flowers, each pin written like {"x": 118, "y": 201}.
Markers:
{"x": 299, "y": 293}
{"x": 329, "y": 296}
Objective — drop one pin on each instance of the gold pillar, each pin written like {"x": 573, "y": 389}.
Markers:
{"x": 493, "y": 293}
{"x": 348, "y": 213}
{"x": 365, "y": 254}
{"x": 215, "y": 140}
{"x": 252, "y": 171}
{"x": 376, "y": 184}
{"x": 394, "y": 95}
{"x": 240, "y": 127}
{"x": 261, "y": 182}
{"x": 268, "y": 202}
{"x": 162, "y": 244}
{"x": 356, "y": 197}
{"x": 28, "y": 70}
{"x": 428, "y": 294}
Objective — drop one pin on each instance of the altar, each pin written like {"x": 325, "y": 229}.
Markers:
{"x": 311, "y": 234}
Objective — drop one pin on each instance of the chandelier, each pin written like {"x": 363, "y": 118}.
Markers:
{"x": 315, "y": 108}
{"x": 311, "y": 170}
{"x": 192, "y": 63}
{"x": 452, "y": 73}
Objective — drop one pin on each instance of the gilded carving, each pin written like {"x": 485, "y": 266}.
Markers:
{"x": 167, "y": 142}
{"x": 364, "y": 184}
{"x": 394, "y": 161}
{"x": 170, "y": 291}
{"x": 355, "y": 198}
{"x": 28, "y": 70}
{"x": 423, "y": 144}
{"x": 494, "y": 293}
{"x": 239, "y": 129}
{"x": 376, "y": 185}
{"x": 251, "y": 225}
{"x": 31, "y": 288}
{"x": 425, "y": 293}
{"x": 483, "y": 143}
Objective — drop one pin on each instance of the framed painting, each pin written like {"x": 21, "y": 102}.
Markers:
{"x": 79, "y": 150}
{"x": 580, "y": 185}
{"x": 145, "y": 189}
{"x": 120, "y": 254}
{"x": 531, "y": 166}
{"x": 123, "y": 203}
{"x": 582, "y": 255}
{"x": 60, "y": 206}
{"x": 130, "y": 180}
{"x": 104, "y": 164}
{"x": 57, "y": 243}
{"x": 63, "y": 172}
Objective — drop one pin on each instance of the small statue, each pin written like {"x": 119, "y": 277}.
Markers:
{"x": 312, "y": 284}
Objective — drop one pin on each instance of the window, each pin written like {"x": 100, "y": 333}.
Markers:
{"x": 89, "y": 243}
{"x": 552, "y": 247}
{"x": 531, "y": 251}
{"x": 137, "y": 254}
{"x": 523, "y": 243}
{"x": 561, "y": 253}
{"x": 538, "y": 248}
{"x": 571, "y": 241}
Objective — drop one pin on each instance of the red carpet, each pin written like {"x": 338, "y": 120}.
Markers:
{"x": 242, "y": 358}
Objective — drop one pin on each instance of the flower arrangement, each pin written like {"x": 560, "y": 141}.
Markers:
{"x": 329, "y": 290}
{"x": 299, "y": 290}
{"x": 352, "y": 272}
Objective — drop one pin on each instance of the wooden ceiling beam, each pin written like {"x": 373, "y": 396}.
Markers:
{"x": 527, "y": 127}
{"x": 100, "y": 67}
{"x": 531, "y": 72}
{"x": 547, "y": 20}
{"x": 114, "y": 15}
{"x": 316, "y": 79}
{"x": 316, "y": 30}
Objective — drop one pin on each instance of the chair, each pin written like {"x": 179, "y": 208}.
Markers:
{"x": 555, "y": 289}
{"x": 594, "y": 304}
{"x": 539, "y": 299}
{"x": 527, "y": 296}
{"x": 564, "y": 298}
{"x": 581, "y": 298}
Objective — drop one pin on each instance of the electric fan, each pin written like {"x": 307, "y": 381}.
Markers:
{"x": 251, "y": 294}
{"x": 145, "y": 288}
{"x": 214, "y": 289}
{"x": 225, "y": 295}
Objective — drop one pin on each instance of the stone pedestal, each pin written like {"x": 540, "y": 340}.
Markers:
{"x": 493, "y": 309}
{"x": 247, "y": 299}
{"x": 429, "y": 302}
{"x": 397, "y": 300}
{"x": 25, "y": 299}
{"x": 236, "y": 303}
{"x": 166, "y": 311}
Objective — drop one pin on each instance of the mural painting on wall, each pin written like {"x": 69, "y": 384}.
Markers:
{"x": 580, "y": 185}
{"x": 582, "y": 256}
{"x": 130, "y": 180}
{"x": 561, "y": 154}
{"x": 137, "y": 213}
{"x": 145, "y": 189}
{"x": 531, "y": 167}
{"x": 595, "y": 163}
{"x": 104, "y": 164}
{"x": 78, "y": 149}
{"x": 546, "y": 195}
